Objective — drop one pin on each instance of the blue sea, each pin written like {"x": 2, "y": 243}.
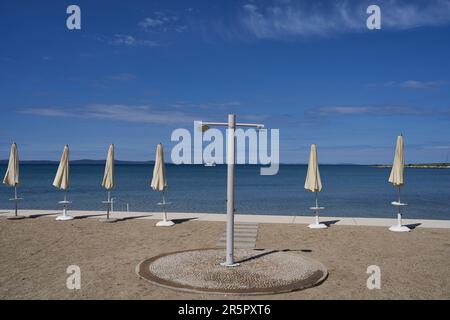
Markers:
{"x": 348, "y": 190}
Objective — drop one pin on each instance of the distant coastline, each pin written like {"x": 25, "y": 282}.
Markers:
{"x": 443, "y": 165}
{"x": 79, "y": 162}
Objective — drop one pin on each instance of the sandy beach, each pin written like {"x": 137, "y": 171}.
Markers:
{"x": 36, "y": 253}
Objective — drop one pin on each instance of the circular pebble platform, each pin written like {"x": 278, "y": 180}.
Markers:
{"x": 259, "y": 272}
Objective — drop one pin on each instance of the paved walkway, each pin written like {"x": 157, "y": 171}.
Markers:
{"x": 245, "y": 234}
{"x": 343, "y": 221}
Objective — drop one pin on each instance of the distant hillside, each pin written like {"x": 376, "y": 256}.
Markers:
{"x": 79, "y": 162}
{"x": 443, "y": 165}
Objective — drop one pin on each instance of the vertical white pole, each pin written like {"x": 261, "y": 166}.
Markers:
{"x": 317, "y": 201}
{"x": 399, "y": 215}
{"x": 109, "y": 205}
{"x": 164, "y": 207}
{"x": 65, "y": 204}
{"x": 15, "y": 199}
{"x": 230, "y": 190}
{"x": 317, "y": 209}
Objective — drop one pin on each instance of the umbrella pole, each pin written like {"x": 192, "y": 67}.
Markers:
{"x": 399, "y": 215}
{"x": 317, "y": 210}
{"x": 109, "y": 205}
{"x": 15, "y": 199}
{"x": 164, "y": 207}
{"x": 65, "y": 204}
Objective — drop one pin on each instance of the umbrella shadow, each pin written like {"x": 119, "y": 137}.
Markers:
{"x": 133, "y": 217}
{"x": 329, "y": 223}
{"x": 34, "y": 216}
{"x": 179, "y": 221}
{"x": 413, "y": 225}
{"x": 88, "y": 216}
{"x": 297, "y": 250}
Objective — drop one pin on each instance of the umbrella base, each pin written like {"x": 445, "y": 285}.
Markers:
{"x": 234, "y": 264}
{"x": 165, "y": 223}
{"x": 317, "y": 226}
{"x": 399, "y": 229}
{"x": 16, "y": 218}
{"x": 110, "y": 220}
{"x": 63, "y": 218}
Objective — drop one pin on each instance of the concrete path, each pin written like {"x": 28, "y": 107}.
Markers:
{"x": 180, "y": 216}
{"x": 245, "y": 234}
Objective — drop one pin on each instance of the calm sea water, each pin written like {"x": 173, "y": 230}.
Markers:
{"x": 357, "y": 191}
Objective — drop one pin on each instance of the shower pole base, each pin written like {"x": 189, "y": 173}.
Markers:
{"x": 317, "y": 226}
{"x": 165, "y": 223}
{"x": 64, "y": 216}
{"x": 400, "y": 229}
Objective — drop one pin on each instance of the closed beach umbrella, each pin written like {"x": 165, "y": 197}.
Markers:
{"x": 12, "y": 176}
{"x": 108, "y": 177}
{"x": 159, "y": 180}
{"x": 62, "y": 175}
{"x": 313, "y": 183}
{"x": 62, "y": 182}
{"x": 109, "y": 181}
{"x": 159, "y": 183}
{"x": 12, "y": 173}
{"x": 396, "y": 178}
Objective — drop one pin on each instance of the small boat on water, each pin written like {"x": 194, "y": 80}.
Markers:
{"x": 210, "y": 164}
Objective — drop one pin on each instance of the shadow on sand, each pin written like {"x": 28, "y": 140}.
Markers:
{"x": 413, "y": 225}
{"x": 131, "y": 218}
{"x": 34, "y": 216}
{"x": 179, "y": 221}
{"x": 88, "y": 216}
{"x": 329, "y": 223}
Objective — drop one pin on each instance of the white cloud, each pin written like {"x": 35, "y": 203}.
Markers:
{"x": 118, "y": 112}
{"x": 413, "y": 84}
{"x": 377, "y": 111}
{"x": 162, "y": 22}
{"x": 150, "y": 23}
{"x": 180, "y": 113}
{"x": 323, "y": 18}
{"x": 206, "y": 105}
{"x": 130, "y": 41}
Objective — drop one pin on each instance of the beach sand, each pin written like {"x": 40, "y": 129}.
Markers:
{"x": 35, "y": 254}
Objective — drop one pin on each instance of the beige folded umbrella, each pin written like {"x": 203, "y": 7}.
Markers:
{"x": 313, "y": 183}
{"x": 61, "y": 180}
{"x": 12, "y": 175}
{"x": 159, "y": 182}
{"x": 396, "y": 178}
{"x": 108, "y": 177}
{"x": 109, "y": 181}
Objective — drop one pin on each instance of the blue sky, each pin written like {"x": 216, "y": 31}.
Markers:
{"x": 137, "y": 70}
